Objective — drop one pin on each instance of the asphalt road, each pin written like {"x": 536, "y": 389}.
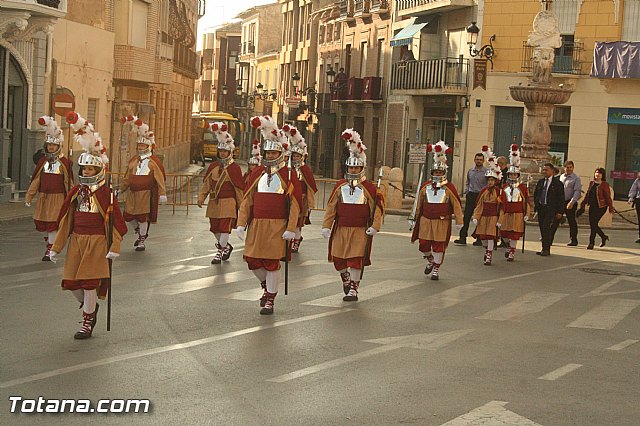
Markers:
{"x": 548, "y": 341}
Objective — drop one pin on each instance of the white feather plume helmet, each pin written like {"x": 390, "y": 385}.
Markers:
{"x": 355, "y": 145}
{"x": 87, "y": 137}
{"x": 54, "y": 132}
{"x": 514, "y": 157}
{"x": 145, "y": 136}
{"x": 270, "y": 132}
{"x": 296, "y": 141}
{"x": 440, "y": 150}
{"x": 255, "y": 158}
{"x": 493, "y": 167}
{"x": 221, "y": 131}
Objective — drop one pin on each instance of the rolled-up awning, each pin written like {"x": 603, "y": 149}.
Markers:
{"x": 405, "y": 36}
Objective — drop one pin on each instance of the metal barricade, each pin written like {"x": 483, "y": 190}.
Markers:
{"x": 325, "y": 187}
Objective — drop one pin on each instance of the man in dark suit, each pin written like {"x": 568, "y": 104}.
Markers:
{"x": 549, "y": 203}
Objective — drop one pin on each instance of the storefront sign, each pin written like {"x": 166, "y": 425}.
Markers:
{"x": 624, "y": 116}
{"x": 417, "y": 153}
{"x": 620, "y": 174}
{"x": 480, "y": 73}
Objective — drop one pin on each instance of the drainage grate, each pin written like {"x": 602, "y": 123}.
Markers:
{"x": 607, "y": 272}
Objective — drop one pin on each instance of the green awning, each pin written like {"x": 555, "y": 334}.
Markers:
{"x": 405, "y": 36}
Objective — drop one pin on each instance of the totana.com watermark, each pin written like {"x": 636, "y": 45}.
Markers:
{"x": 42, "y": 405}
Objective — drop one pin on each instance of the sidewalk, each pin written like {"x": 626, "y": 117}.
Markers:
{"x": 14, "y": 211}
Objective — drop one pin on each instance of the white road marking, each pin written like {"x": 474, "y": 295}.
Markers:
{"x": 432, "y": 341}
{"x": 623, "y": 345}
{"x": 606, "y": 315}
{"x": 556, "y": 374}
{"x": 164, "y": 349}
{"x": 308, "y": 282}
{"x": 529, "y": 303}
{"x": 443, "y": 300}
{"x": 366, "y": 292}
{"x": 491, "y": 414}
{"x": 236, "y": 249}
{"x": 602, "y": 290}
{"x": 206, "y": 282}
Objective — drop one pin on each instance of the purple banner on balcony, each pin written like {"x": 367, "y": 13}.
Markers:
{"x": 616, "y": 59}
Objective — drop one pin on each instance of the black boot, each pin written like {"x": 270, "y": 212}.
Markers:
{"x": 346, "y": 281}
{"x": 217, "y": 258}
{"x": 268, "y": 305}
{"x": 86, "y": 329}
{"x": 226, "y": 254}
{"x": 263, "y": 298}
{"x": 352, "y": 296}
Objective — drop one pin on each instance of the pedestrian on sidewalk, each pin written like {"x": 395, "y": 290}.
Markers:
{"x": 598, "y": 199}
{"x": 52, "y": 179}
{"x": 634, "y": 200}
{"x": 515, "y": 209}
{"x": 299, "y": 153}
{"x": 548, "y": 199}
{"x": 90, "y": 219}
{"x": 476, "y": 180}
{"x": 269, "y": 212}
{"x": 438, "y": 201}
{"x": 485, "y": 214}
{"x": 144, "y": 179}
{"x": 572, "y": 194}
{"x": 349, "y": 220}
{"x": 224, "y": 185}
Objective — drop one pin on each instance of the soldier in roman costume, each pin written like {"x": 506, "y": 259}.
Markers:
{"x": 90, "y": 219}
{"x": 299, "y": 153}
{"x": 144, "y": 179}
{"x": 515, "y": 209}
{"x": 349, "y": 222}
{"x": 52, "y": 179}
{"x": 254, "y": 161}
{"x": 485, "y": 214}
{"x": 269, "y": 212}
{"x": 224, "y": 185}
{"x": 438, "y": 201}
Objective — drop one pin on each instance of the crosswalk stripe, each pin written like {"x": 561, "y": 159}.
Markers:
{"x": 559, "y": 372}
{"x": 623, "y": 345}
{"x": 366, "y": 292}
{"x": 606, "y": 315}
{"x": 443, "y": 300}
{"x": 308, "y": 282}
{"x": 530, "y": 303}
{"x": 206, "y": 282}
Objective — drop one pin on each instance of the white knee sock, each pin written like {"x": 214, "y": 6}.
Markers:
{"x": 273, "y": 279}
{"x": 217, "y": 235}
{"x": 134, "y": 223}
{"x": 427, "y": 253}
{"x": 224, "y": 239}
{"x": 52, "y": 236}
{"x": 90, "y": 300}
{"x": 484, "y": 243}
{"x": 260, "y": 274}
{"x": 144, "y": 226}
{"x": 342, "y": 271}
{"x": 298, "y": 233}
{"x": 490, "y": 245}
{"x": 79, "y": 294}
{"x": 46, "y": 235}
{"x": 438, "y": 257}
{"x": 355, "y": 274}
{"x": 513, "y": 243}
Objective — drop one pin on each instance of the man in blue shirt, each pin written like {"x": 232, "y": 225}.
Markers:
{"x": 475, "y": 181}
{"x": 572, "y": 194}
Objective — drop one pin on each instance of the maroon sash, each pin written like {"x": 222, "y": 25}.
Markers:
{"x": 437, "y": 210}
{"x": 353, "y": 215}
{"x": 85, "y": 223}
{"x": 269, "y": 206}
{"x": 517, "y": 207}
{"x": 490, "y": 209}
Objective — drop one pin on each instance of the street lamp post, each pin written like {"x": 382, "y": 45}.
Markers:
{"x": 331, "y": 75}
{"x": 487, "y": 51}
{"x": 296, "y": 82}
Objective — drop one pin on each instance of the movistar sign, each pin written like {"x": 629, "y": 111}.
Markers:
{"x": 624, "y": 116}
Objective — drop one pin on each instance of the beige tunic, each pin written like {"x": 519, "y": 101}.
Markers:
{"x": 48, "y": 205}
{"x": 349, "y": 241}
{"x": 264, "y": 236}
{"x": 486, "y": 224}
{"x": 222, "y": 207}
{"x": 439, "y": 229}
{"x": 513, "y": 221}
{"x": 139, "y": 202}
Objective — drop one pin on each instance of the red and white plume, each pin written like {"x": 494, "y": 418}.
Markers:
{"x": 270, "y": 132}
{"x": 87, "y": 137}
{"x": 514, "y": 158}
{"x": 440, "y": 150}
{"x": 54, "y": 132}
{"x": 255, "y": 158}
{"x": 355, "y": 145}
{"x": 225, "y": 141}
{"x": 490, "y": 158}
{"x": 145, "y": 136}
{"x": 296, "y": 141}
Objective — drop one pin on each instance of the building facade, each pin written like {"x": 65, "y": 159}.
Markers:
{"x": 26, "y": 28}
{"x": 600, "y": 124}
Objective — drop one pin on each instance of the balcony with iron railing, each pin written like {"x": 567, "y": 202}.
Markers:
{"x": 566, "y": 61}
{"x": 362, "y": 8}
{"x": 406, "y": 8}
{"x": 347, "y": 9}
{"x": 380, "y": 6}
{"x": 52, "y": 8}
{"x": 430, "y": 77}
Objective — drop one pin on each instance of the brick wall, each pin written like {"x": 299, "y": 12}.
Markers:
{"x": 395, "y": 120}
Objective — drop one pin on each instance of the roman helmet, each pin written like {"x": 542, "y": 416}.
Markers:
{"x": 255, "y": 158}
{"x": 297, "y": 144}
{"x": 357, "y": 157}
{"x": 54, "y": 136}
{"x": 514, "y": 167}
{"x": 225, "y": 142}
{"x": 94, "y": 151}
{"x": 493, "y": 169}
{"x": 144, "y": 135}
{"x": 440, "y": 150}
{"x": 274, "y": 140}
